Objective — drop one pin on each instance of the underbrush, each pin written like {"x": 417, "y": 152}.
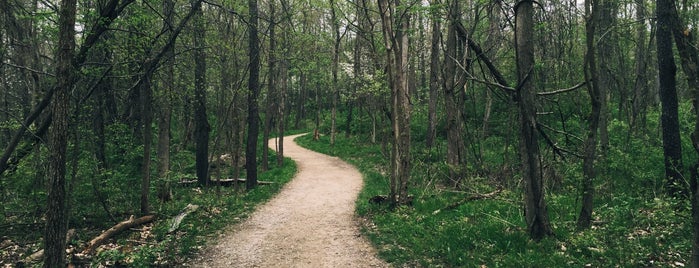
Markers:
{"x": 153, "y": 244}
{"x": 632, "y": 227}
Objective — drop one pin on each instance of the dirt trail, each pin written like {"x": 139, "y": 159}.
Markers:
{"x": 310, "y": 223}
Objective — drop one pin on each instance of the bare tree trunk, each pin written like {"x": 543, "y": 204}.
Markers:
{"x": 434, "y": 79}
{"x": 164, "y": 119}
{"x": 639, "y": 103}
{"x": 535, "y": 211}
{"x": 395, "y": 31}
{"x": 454, "y": 82}
{"x": 254, "y": 87}
{"x": 596, "y": 98}
{"x": 201, "y": 121}
{"x": 686, "y": 46}
{"x": 146, "y": 96}
{"x": 271, "y": 106}
{"x": 56, "y": 211}
{"x": 336, "y": 61}
{"x": 672, "y": 147}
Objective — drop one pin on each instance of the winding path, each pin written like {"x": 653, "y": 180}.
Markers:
{"x": 310, "y": 223}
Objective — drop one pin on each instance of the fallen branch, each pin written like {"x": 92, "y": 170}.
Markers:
{"x": 222, "y": 182}
{"x": 119, "y": 227}
{"x": 468, "y": 199}
{"x": 178, "y": 219}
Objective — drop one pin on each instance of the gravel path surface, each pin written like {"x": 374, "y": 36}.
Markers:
{"x": 310, "y": 223}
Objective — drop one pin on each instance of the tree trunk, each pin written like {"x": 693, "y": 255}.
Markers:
{"x": 271, "y": 106}
{"x": 165, "y": 99}
{"x": 686, "y": 46}
{"x": 395, "y": 32}
{"x": 605, "y": 18}
{"x": 672, "y": 147}
{"x": 454, "y": 82}
{"x": 596, "y": 99}
{"x": 640, "y": 93}
{"x": 147, "y": 132}
{"x": 336, "y": 61}
{"x": 535, "y": 211}
{"x": 201, "y": 121}
{"x": 434, "y": 80}
{"x": 56, "y": 212}
{"x": 254, "y": 91}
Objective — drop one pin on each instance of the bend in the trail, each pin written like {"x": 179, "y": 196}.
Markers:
{"x": 310, "y": 223}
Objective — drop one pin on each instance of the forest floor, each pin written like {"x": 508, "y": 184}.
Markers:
{"x": 310, "y": 223}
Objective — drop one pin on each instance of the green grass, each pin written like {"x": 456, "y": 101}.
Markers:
{"x": 629, "y": 231}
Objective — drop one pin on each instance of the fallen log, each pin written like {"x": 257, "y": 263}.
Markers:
{"x": 221, "y": 182}
{"x": 178, "y": 219}
{"x": 468, "y": 199}
{"x": 119, "y": 227}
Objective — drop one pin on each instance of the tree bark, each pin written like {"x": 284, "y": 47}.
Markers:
{"x": 454, "y": 82}
{"x": 672, "y": 147}
{"x": 202, "y": 127}
{"x": 146, "y": 96}
{"x": 686, "y": 46}
{"x": 335, "y": 65}
{"x": 56, "y": 210}
{"x": 640, "y": 92}
{"x": 535, "y": 211}
{"x": 254, "y": 91}
{"x": 395, "y": 32}
{"x": 165, "y": 99}
{"x": 271, "y": 106}
{"x": 434, "y": 79}
{"x": 596, "y": 98}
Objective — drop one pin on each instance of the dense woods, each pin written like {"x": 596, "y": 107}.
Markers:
{"x": 575, "y": 106}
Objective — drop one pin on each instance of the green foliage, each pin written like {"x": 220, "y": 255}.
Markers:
{"x": 219, "y": 207}
{"x": 629, "y": 230}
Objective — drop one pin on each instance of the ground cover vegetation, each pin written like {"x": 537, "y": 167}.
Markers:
{"x": 635, "y": 223}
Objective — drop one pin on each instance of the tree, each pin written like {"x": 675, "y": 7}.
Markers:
{"x": 396, "y": 25}
{"x": 434, "y": 77}
{"x": 640, "y": 87}
{"x": 202, "y": 128}
{"x": 165, "y": 98}
{"x": 272, "y": 102}
{"x": 685, "y": 42}
{"x": 57, "y": 214}
{"x": 672, "y": 146}
{"x": 337, "y": 39}
{"x": 454, "y": 79}
{"x": 535, "y": 211}
{"x": 253, "y": 92}
{"x": 596, "y": 99}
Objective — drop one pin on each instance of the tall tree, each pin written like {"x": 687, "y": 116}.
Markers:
{"x": 672, "y": 146}
{"x": 434, "y": 76}
{"x": 640, "y": 88}
{"x": 202, "y": 128}
{"x": 335, "y": 23}
{"x": 165, "y": 98}
{"x": 686, "y": 46}
{"x": 454, "y": 79}
{"x": 596, "y": 98}
{"x": 396, "y": 26}
{"x": 271, "y": 109}
{"x": 56, "y": 210}
{"x": 253, "y": 92}
{"x": 146, "y": 99}
{"x": 535, "y": 211}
